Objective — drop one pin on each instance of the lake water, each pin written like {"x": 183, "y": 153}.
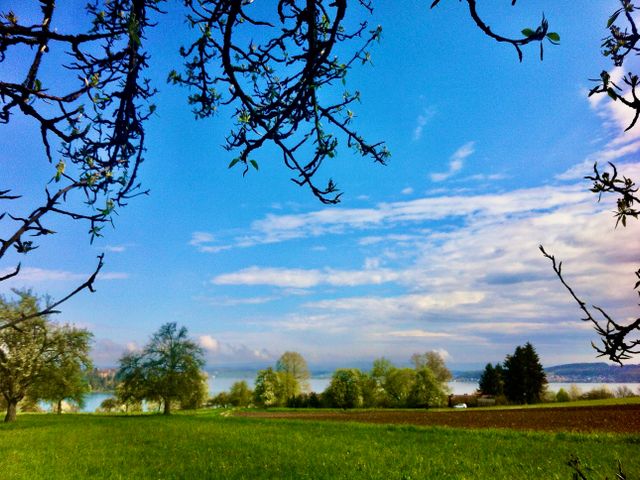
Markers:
{"x": 222, "y": 384}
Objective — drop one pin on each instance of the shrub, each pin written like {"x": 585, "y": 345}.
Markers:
{"x": 345, "y": 391}
{"x": 624, "y": 392}
{"x": 221, "y": 400}
{"x": 548, "y": 397}
{"x": 240, "y": 395}
{"x": 574, "y": 392}
{"x": 562, "y": 396}
{"x": 598, "y": 393}
{"x": 108, "y": 405}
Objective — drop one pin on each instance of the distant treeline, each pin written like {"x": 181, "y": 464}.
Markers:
{"x": 594, "y": 372}
{"x": 385, "y": 385}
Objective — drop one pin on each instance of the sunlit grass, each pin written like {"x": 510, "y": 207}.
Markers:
{"x": 211, "y": 445}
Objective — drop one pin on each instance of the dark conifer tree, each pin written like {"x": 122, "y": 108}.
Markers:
{"x": 491, "y": 380}
{"x": 524, "y": 377}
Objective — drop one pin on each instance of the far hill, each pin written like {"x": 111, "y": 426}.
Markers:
{"x": 593, "y": 372}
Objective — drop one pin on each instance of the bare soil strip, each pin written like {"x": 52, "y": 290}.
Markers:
{"x": 613, "y": 418}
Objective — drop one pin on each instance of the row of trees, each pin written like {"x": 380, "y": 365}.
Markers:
{"x": 520, "y": 378}
{"x": 385, "y": 385}
{"x": 40, "y": 360}
{"x": 44, "y": 361}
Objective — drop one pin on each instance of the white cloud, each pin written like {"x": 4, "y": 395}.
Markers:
{"x": 444, "y": 354}
{"x": 456, "y": 162}
{"x": 41, "y": 275}
{"x": 278, "y": 277}
{"x": 371, "y": 263}
{"x": 225, "y": 349}
{"x": 422, "y": 120}
{"x": 407, "y": 191}
{"x": 480, "y": 177}
{"x": 418, "y": 334}
{"x": 113, "y": 276}
{"x": 399, "y": 307}
{"x": 36, "y": 275}
{"x": 608, "y": 154}
{"x": 301, "y": 278}
{"x": 234, "y": 302}
{"x": 198, "y": 238}
{"x": 115, "y": 248}
{"x": 203, "y": 242}
{"x": 279, "y": 228}
{"x": 209, "y": 343}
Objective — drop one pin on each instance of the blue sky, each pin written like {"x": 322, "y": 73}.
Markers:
{"x": 436, "y": 251}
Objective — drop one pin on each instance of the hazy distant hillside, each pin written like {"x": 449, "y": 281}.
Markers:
{"x": 593, "y": 372}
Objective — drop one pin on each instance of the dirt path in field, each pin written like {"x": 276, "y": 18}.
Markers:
{"x": 614, "y": 418}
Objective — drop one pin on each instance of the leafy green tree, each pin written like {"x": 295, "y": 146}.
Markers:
{"x": 598, "y": 393}
{"x": 132, "y": 387}
{"x": 575, "y": 393}
{"x": 372, "y": 392}
{"x": 434, "y": 362}
{"x": 268, "y": 390}
{"x": 65, "y": 379}
{"x": 220, "y": 400}
{"x": 169, "y": 369}
{"x": 562, "y": 396}
{"x": 195, "y": 396}
{"x": 294, "y": 374}
{"x": 381, "y": 368}
{"x": 524, "y": 377}
{"x": 32, "y": 356}
{"x": 492, "y": 381}
{"x": 345, "y": 390}
{"x": 109, "y": 405}
{"x": 240, "y": 395}
{"x": 398, "y": 386}
{"x": 427, "y": 390}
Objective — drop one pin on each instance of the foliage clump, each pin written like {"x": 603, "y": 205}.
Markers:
{"x": 168, "y": 370}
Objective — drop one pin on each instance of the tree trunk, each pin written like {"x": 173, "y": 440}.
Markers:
{"x": 167, "y": 406}
{"x": 12, "y": 408}
{"x": 59, "y": 407}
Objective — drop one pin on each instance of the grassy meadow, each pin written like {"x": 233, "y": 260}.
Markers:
{"x": 210, "y": 444}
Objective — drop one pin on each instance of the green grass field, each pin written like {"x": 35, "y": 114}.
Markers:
{"x": 210, "y": 445}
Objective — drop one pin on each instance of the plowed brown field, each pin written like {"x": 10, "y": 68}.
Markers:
{"x": 613, "y": 418}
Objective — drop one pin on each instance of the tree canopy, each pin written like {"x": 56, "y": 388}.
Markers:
{"x": 292, "y": 367}
{"x": 41, "y": 359}
{"x": 492, "y": 380}
{"x": 168, "y": 369}
{"x": 524, "y": 377}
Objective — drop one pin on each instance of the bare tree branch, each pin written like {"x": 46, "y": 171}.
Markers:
{"x": 529, "y": 35}
{"x": 51, "y": 308}
{"x": 275, "y": 85}
{"x": 95, "y": 123}
{"x": 613, "y": 335}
